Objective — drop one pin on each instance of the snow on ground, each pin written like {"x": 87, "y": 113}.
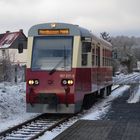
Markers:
{"x": 121, "y": 78}
{"x": 95, "y": 113}
{"x": 12, "y": 105}
{"x": 135, "y": 96}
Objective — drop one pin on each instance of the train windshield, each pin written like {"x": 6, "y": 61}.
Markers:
{"x": 52, "y": 53}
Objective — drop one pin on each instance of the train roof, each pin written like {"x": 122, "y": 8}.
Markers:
{"x": 74, "y": 30}
{"x": 102, "y": 41}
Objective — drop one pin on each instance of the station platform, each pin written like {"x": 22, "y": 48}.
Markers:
{"x": 102, "y": 130}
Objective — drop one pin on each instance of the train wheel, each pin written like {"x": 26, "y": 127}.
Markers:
{"x": 102, "y": 93}
{"x": 88, "y": 101}
{"x": 108, "y": 90}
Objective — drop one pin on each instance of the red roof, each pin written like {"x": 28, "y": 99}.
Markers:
{"x": 8, "y": 38}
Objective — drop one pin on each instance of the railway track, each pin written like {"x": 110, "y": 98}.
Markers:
{"x": 34, "y": 128}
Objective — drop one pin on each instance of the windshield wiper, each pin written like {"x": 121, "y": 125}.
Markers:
{"x": 54, "y": 69}
{"x": 63, "y": 59}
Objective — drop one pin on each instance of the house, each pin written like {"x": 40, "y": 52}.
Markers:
{"x": 13, "y": 46}
{"x": 13, "y": 56}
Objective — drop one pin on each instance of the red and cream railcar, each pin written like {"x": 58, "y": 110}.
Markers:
{"x": 67, "y": 65}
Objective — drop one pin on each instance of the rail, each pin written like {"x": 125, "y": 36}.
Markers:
{"x": 34, "y": 128}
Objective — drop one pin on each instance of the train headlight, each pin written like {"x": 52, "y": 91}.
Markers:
{"x": 33, "y": 82}
{"x": 70, "y": 82}
{"x": 65, "y": 82}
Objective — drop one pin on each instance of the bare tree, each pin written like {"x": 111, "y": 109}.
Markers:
{"x": 105, "y": 36}
{"x": 126, "y": 55}
{"x": 5, "y": 66}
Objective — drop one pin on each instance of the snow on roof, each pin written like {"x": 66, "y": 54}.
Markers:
{"x": 8, "y": 38}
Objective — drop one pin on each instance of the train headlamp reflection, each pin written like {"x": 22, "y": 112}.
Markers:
{"x": 33, "y": 82}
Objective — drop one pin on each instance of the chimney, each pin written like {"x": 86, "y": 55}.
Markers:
{"x": 21, "y": 30}
{"x": 7, "y": 32}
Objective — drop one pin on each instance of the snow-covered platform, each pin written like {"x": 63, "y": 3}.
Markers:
{"x": 120, "y": 122}
{"x": 102, "y": 130}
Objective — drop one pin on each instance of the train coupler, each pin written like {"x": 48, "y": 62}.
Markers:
{"x": 50, "y": 98}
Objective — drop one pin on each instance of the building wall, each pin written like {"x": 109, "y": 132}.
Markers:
{"x": 14, "y": 56}
{"x": 18, "y": 58}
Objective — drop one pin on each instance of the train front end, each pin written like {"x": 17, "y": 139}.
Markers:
{"x": 50, "y": 74}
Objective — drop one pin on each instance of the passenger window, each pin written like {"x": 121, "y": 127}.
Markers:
{"x": 86, "y": 47}
{"x": 97, "y": 54}
{"x": 84, "y": 59}
{"x": 93, "y": 56}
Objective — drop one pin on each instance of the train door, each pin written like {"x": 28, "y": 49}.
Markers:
{"x": 86, "y": 65}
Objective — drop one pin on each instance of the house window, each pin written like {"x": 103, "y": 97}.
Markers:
{"x": 20, "y": 48}
{"x": 3, "y": 52}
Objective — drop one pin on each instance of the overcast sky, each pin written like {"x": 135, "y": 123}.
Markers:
{"x": 117, "y": 17}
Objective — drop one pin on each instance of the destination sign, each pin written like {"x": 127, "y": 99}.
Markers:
{"x": 53, "y": 31}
